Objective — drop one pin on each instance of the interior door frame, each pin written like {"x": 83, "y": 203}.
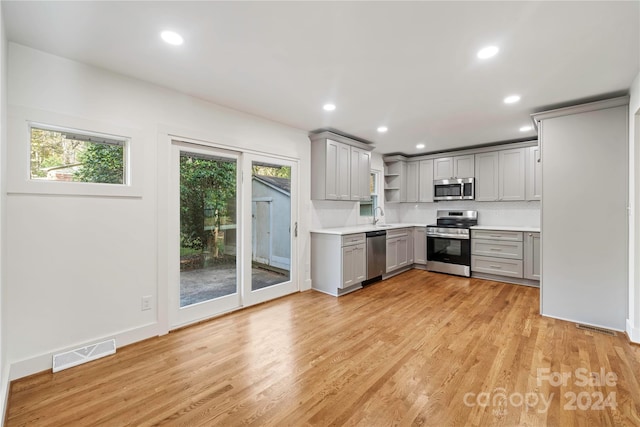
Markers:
{"x": 182, "y": 316}
{"x": 249, "y": 296}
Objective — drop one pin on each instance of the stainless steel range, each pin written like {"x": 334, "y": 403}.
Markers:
{"x": 449, "y": 242}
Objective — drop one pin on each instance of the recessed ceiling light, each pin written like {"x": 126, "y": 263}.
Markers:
{"x": 487, "y": 52}
{"x": 512, "y": 99}
{"x": 382, "y": 129}
{"x": 328, "y": 107}
{"x": 420, "y": 146}
{"x": 172, "y": 38}
{"x": 525, "y": 128}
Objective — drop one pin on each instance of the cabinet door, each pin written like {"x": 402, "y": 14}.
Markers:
{"x": 344, "y": 172}
{"x": 331, "y": 169}
{"x": 365, "y": 175}
{"x": 348, "y": 266}
{"x": 425, "y": 181}
{"x": 420, "y": 245}
{"x": 410, "y": 247}
{"x": 511, "y": 164}
{"x": 463, "y": 166}
{"x": 443, "y": 168}
{"x": 532, "y": 256}
{"x": 487, "y": 177}
{"x": 534, "y": 174}
{"x": 412, "y": 182}
{"x": 402, "y": 251}
{"x": 392, "y": 254}
{"x": 359, "y": 263}
{"x": 355, "y": 173}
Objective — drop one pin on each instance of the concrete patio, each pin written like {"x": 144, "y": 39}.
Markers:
{"x": 217, "y": 281}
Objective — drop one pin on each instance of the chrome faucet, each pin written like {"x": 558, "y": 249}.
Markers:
{"x": 375, "y": 218}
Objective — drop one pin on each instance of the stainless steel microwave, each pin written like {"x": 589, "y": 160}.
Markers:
{"x": 454, "y": 189}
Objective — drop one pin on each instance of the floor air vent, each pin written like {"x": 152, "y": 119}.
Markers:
{"x": 596, "y": 329}
{"x": 83, "y": 355}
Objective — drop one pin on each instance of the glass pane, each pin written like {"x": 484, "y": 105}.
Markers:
{"x": 66, "y": 155}
{"x": 270, "y": 225}
{"x": 207, "y": 228}
{"x": 367, "y": 208}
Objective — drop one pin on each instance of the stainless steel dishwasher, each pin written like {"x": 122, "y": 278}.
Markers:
{"x": 376, "y": 253}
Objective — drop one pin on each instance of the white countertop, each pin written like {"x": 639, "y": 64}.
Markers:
{"x": 526, "y": 228}
{"x": 363, "y": 228}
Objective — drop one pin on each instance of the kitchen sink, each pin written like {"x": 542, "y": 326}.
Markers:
{"x": 384, "y": 225}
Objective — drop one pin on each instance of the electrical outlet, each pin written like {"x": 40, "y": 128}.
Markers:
{"x": 146, "y": 302}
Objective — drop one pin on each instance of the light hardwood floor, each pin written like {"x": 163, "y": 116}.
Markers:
{"x": 419, "y": 349}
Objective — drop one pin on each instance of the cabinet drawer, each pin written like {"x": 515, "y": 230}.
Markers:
{"x": 496, "y": 248}
{"x": 397, "y": 233}
{"x": 498, "y": 266}
{"x": 512, "y": 236}
{"x": 353, "y": 239}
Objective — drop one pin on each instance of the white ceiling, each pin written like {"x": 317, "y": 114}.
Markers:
{"x": 410, "y": 66}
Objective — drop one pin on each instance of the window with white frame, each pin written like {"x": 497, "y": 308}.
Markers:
{"x": 367, "y": 208}
{"x": 61, "y": 154}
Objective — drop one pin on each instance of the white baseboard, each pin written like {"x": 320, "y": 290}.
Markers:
{"x": 633, "y": 333}
{"x": 44, "y": 361}
{"x": 582, "y": 323}
{"x": 4, "y": 392}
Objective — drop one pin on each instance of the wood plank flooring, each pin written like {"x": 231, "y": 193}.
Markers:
{"x": 419, "y": 349}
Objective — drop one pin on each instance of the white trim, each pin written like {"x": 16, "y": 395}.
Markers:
{"x": 582, "y": 323}
{"x": 633, "y": 333}
{"x": 43, "y": 362}
{"x": 19, "y": 180}
{"x": 581, "y": 108}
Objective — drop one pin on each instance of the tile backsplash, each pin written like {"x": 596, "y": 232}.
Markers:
{"x": 489, "y": 213}
{"x": 328, "y": 214}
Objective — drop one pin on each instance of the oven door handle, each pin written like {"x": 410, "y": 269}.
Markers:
{"x": 448, "y": 236}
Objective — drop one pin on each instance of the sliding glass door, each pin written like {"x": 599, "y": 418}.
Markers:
{"x": 233, "y": 226}
{"x": 206, "y": 184}
{"x": 271, "y": 193}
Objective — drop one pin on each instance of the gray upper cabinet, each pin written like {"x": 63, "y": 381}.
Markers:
{"x": 500, "y": 172}
{"x": 512, "y": 170}
{"x": 340, "y": 168}
{"x": 463, "y": 166}
{"x": 500, "y": 175}
{"x": 533, "y": 184}
{"x": 360, "y": 173}
{"x": 487, "y": 174}
{"x": 425, "y": 179}
{"x": 412, "y": 182}
{"x": 454, "y": 167}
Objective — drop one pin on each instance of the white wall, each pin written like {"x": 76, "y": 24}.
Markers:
{"x": 633, "y": 323}
{"x": 78, "y": 266}
{"x": 4, "y": 366}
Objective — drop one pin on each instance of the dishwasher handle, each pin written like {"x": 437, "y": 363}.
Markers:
{"x": 376, "y": 233}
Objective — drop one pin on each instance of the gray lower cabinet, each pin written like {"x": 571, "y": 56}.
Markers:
{"x": 338, "y": 262}
{"x": 420, "y": 245}
{"x": 532, "y": 256}
{"x": 498, "y": 253}
{"x": 399, "y": 248}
